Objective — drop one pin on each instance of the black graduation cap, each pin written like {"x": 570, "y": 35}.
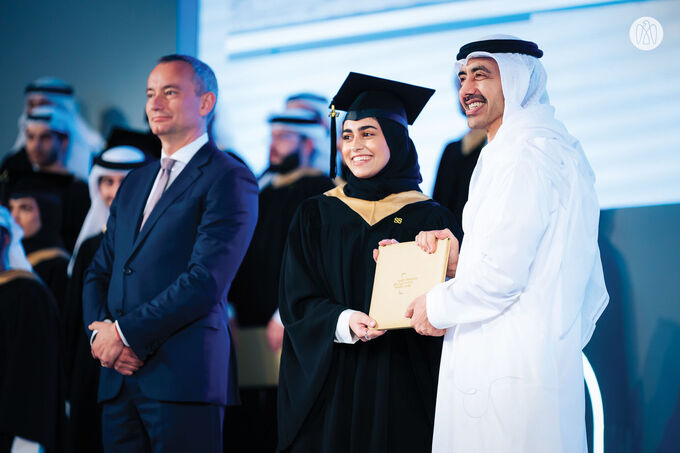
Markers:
{"x": 146, "y": 141}
{"x": 363, "y": 96}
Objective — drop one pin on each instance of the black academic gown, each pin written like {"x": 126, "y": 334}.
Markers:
{"x": 452, "y": 186}
{"x": 72, "y": 192}
{"x": 47, "y": 256}
{"x": 17, "y": 161}
{"x": 84, "y": 428}
{"x": 31, "y": 403}
{"x": 255, "y": 296}
{"x": 51, "y": 265}
{"x": 377, "y": 396}
{"x": 254, "y": 293}
{"x": 76, "y": 203}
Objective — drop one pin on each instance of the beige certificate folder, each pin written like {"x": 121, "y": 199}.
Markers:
{"x": 404, "y": 272}
{"x": 258, "y": 365}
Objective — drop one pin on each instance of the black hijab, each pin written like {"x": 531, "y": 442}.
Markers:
{"x": 50, "y": 219}
{"x": 400, "y": 174}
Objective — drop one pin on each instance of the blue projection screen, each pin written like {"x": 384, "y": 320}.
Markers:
{"x": 621, "y": 102}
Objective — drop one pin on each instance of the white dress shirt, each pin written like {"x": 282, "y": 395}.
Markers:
{"x": 181, "y": 157}
{"x": 343, "y": 334}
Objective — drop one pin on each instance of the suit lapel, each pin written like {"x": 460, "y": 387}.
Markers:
{"x": 188, "y": 175}
{"x": 140, "y": 201}
{"x": 132, "y": 212}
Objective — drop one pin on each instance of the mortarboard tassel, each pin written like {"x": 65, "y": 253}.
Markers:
{"x": 334, "y": 142}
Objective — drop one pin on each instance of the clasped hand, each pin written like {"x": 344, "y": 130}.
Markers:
{"x": 108, "y": 348}
{"x": 362, "y": 326}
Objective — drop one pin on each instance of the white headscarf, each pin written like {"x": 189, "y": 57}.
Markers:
{"x": 528, "y": 114}
{"x": 15, "y": 257}
{"x": 318, "y": 105}
{"x": 97, "y": 216}
{"x": 313, "y": 102}
{"x": 84, "y": 141}
{"x": 58, "y": 119}
{"x": 306, "y": 122}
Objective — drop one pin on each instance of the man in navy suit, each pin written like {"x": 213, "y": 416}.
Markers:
{"x": 155, "y": 294}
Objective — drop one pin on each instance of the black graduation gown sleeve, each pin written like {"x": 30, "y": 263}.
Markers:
{"x": 31, "y": 403}
{"x": 54, "y": 273}
{"x": 72, "y": 312}
{"x": 83, "y": 434}
{"x": 254, "y": 292}
{"x": 76, "y": 203}
{"x": 307, "y": 311}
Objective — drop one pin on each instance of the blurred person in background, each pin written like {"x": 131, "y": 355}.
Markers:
{"x": 84, "y": 141}
{"x": 296, "y": 135}
{"x": 457, "y": 163}
{"x": 82, "y": 373}
{"x": 48, "y": 131}
{"x": 318, "y": 105}
{"x": 38, "y": 211}
{"x": 31, "y": 409}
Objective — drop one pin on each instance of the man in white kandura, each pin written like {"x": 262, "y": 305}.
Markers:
{"x": 529, "y": 284}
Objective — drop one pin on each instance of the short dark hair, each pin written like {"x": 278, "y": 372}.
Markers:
{"x": 204, "y": 77}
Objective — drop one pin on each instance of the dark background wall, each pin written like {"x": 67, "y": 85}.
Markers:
{"x": 105, "y": 49}
{"x": 635, "y": 350}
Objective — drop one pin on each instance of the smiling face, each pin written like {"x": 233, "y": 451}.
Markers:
{"x": 176, "y": 112}
{"x": 481, "y": 94}
{"x": 364, "y": 148}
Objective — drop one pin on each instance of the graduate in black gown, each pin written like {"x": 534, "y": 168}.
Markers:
{"x": 343, "y": 388}
{"x": 37, "y": 210}
{"x": 84, "y": 432}
{"x": 31, "y": 407}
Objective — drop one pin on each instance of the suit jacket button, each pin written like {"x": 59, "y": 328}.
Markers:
{"x": 119, "y": 312}
{"x": 127, "y": 271}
